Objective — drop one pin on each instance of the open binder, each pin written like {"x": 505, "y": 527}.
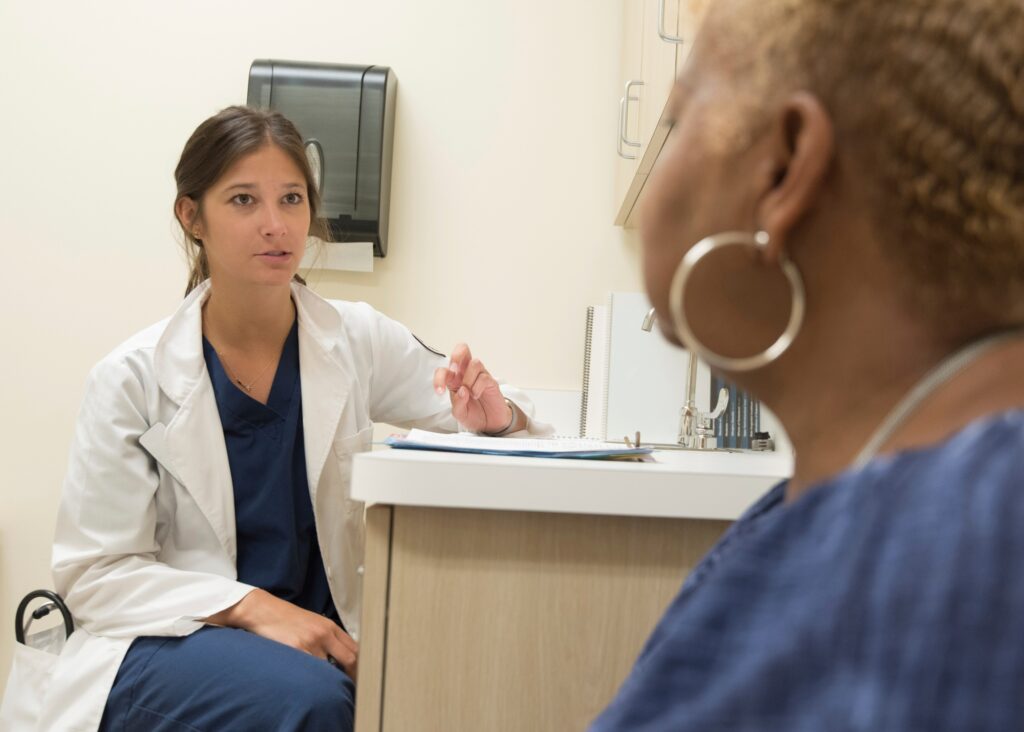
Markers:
{"x": 582, "y": 449}
{"x": 633, "y": 380}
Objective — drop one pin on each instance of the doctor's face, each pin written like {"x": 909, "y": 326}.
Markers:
{"x": 255, "y": 220}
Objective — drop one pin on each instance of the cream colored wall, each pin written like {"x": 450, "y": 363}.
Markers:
{"x": 502, "y": 197}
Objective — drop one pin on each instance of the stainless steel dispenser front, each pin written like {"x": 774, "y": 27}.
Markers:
{"x": 349, "y": 111}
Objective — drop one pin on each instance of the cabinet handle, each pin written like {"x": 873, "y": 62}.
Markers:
{"x": 618, "y": 135}
{"x": 662, "y": 34}
{"x": 624, "y": 119}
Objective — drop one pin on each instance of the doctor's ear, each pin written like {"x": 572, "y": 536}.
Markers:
{"x": 187, "y": 211}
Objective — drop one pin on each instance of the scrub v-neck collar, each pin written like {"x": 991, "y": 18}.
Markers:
{"x": 240, "y": 404}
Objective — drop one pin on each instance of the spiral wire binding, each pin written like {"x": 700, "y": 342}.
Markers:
{"x": 587, "y": 345}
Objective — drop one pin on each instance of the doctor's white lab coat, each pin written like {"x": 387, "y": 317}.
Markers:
{"x": 145, "y": 540}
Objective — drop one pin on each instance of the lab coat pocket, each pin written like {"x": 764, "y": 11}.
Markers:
{"x": 29, "y": 679}
{"x": 358, "y": 442}
{"x": 344, "y": 450}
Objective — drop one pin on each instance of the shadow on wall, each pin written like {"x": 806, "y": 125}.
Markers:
{"x": 6, "y": 619}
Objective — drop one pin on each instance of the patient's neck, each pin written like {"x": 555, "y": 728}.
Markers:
{"x": 839, "y": 403}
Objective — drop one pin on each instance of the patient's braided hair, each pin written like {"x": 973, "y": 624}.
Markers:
{"x": 929, "y": 97}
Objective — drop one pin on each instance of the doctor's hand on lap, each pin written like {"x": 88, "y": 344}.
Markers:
{"x": 265, "y": 615}
{"x": 477, "y": 401}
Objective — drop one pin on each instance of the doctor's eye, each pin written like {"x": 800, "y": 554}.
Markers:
{"x": 242, "y": 199}
{"x": 293, "y": 198}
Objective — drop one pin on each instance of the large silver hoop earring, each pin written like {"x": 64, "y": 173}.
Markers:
{"x": 677, "y": 291}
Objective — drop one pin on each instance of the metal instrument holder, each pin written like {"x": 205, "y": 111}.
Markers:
{"x": 55, "y": 602}
{"x": 696, "y": 429}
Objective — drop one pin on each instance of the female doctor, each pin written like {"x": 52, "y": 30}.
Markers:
{"x": 206, "y": 543}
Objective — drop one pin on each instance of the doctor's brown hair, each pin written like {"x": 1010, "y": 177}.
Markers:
{"x": 928, "y": 98}
{"x": 216, "y": 145}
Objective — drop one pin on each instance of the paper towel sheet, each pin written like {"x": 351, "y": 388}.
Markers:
{"x": 353, "y": 256}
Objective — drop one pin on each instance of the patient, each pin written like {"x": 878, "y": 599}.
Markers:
{"x": 853, "y": 171}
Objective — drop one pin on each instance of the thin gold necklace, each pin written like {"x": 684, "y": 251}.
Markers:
{"x": 248, "y": 387}
{"x": 230, "y": 371}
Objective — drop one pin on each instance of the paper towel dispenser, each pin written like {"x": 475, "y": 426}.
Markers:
{"x": 346, "y": 114}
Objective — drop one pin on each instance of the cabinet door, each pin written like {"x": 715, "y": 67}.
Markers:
{"x": 628, "y": 112}
{"x": 504, "y": 621}
{"x": 666, "y": 32}
{"x": 661, "y": 19}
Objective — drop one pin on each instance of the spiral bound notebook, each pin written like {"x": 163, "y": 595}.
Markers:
{"x": 596, "y": 352}
{"x": 588, "y": 345}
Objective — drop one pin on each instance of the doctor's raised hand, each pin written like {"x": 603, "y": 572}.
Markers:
{"x": 477, "y": 401}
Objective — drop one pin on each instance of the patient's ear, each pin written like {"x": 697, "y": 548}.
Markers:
{"x": 802, "y": 146}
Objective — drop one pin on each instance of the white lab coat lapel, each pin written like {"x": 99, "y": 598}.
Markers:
{"x": 196, "y": 447}
{"x": 193, "y": 441}
{"x": 325, "y": 380}
{"x": 193, "y": 447}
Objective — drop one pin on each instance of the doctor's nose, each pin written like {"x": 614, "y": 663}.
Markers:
{"x": 272, "y": 226}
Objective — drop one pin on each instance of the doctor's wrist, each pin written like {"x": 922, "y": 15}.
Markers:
{"x": 516, "y": 422}
{"x": 240, "y": 615}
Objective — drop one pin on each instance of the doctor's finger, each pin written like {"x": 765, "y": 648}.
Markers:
{"x": 346, "y": 640}
{"x": 473, "y": 372}
{"x": 460, "y": 404}
{"x": 346, "y": 657}
{"x": 342, "y": 652}
{"x": 448, "y": 377}
{"x": 441, "y": 376}
{"x": 483, "y": 384}
{"x": 460, "y": 358}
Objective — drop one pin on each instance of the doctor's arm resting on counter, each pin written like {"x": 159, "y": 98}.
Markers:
{"x": 836, "y": 225}
{"x": 207, "y": 491}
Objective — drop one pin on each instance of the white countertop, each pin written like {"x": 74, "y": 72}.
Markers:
{"x": 681, "y": 484}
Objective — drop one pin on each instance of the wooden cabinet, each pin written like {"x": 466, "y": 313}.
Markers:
{"x": 651, "y": 64}
{"x": 510, "y": 620}
{"x": 628, "y": 138}
{"x": 510, "y": 593}
{"x": 659, "y": 62}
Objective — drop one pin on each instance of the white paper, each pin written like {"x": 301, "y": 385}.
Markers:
{"x": 550, "y": 446}
{"x": 351, "y": 256}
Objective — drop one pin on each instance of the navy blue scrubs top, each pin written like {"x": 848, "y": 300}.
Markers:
{"x": 276, "y": 533}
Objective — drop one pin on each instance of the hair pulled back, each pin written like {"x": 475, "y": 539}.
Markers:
{"x": 216, "y": 145}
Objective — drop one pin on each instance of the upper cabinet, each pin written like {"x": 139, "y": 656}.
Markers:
{"x": 658, "y": 36}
